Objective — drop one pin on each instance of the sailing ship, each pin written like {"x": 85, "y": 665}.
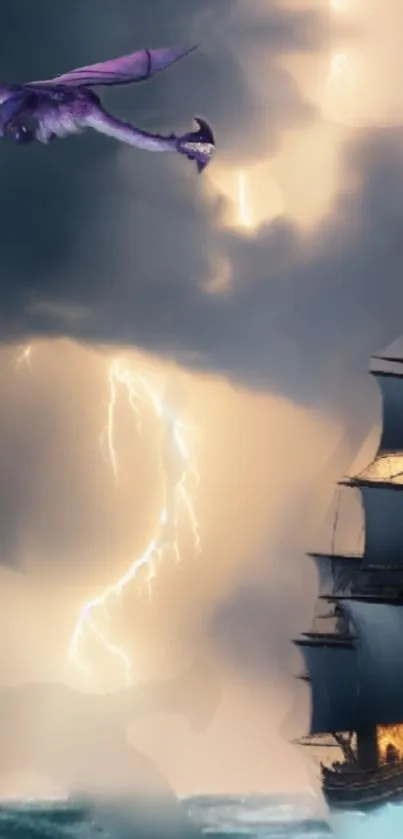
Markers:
{"x": 354, "y": 663}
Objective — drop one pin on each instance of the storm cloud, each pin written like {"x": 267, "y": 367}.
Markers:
{"x": 117, "y": 248}
{"x": 88, "y": 227}
{"x": 110, "y": 245}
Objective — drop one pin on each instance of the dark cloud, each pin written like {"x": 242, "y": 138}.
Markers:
{"x": 304, "y": 313}
{"x": 84, "y": 222}
{"x": 111, "y": 245}
{"x": 128, "y": 239}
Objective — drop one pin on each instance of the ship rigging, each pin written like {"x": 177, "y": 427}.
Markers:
{"x": 355, "y": 669}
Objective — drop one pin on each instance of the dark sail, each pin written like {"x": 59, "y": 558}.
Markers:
{"x": 379, "y": 659}
{"x": 383, "y": 510}
{"x": 332, "y": 673}
{"x": 358, "y": 684}
{"x": 391, "y": 385}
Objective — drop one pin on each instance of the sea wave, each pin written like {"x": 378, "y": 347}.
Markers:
{"x": 211, "y": 817}
{"x": 257, "y": 817}
{"x": 100, "y": 818}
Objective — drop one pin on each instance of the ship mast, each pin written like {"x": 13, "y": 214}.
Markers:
{"x": 355, "y": 671}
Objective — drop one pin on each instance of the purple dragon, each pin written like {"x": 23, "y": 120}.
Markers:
{"x": 66, "y": 105}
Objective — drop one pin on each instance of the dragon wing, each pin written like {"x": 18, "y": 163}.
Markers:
{"x": 135, "y": 67}
{"x": 7, "y": 91}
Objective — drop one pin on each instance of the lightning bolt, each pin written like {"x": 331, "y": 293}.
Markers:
{"x": 242, "y": 201}
{"x": 180, "y": 482}
{"x": 24, "y": 357}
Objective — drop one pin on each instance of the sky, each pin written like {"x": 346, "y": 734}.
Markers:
{"x": 250, "y": 299}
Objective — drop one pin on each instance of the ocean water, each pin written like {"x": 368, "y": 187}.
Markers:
{"x": 257, "y": 817}
{"x": 212, "y": 817}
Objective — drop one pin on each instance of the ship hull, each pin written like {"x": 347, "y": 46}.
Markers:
{"x": 363, "y": 791}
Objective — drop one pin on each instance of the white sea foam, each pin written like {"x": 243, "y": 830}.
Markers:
{"x": 386, "y": 823}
